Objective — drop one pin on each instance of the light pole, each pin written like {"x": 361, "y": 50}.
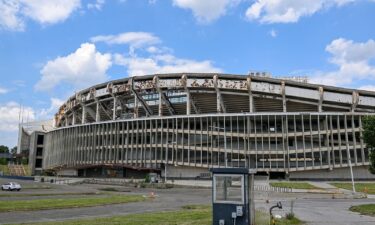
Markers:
{"x": 351, "y": 173}
{"x": 225, "y": 144}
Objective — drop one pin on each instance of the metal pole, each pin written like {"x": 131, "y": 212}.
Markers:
{"x": 351, "y": 173}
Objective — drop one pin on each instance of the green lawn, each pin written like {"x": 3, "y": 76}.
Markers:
{"x": 294, "y": 185}
{"x": 360, "y": 187}
{"x": 40, "y": 204}
{"x": 35, "y": 186}
{"x": 5, "y": 169}
{"x": 7, "y": 194}
{"x": 189, "y": 215}
{"x": 367, "y": 209}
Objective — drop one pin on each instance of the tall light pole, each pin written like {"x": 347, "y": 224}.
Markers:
{"x": 351, "y": 173}
{"x": 225, "y": 144}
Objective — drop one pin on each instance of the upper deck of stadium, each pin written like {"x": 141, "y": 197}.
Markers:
{"x": 206, "y": 93}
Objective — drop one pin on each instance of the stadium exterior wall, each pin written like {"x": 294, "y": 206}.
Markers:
{"x": 181, "y": 121}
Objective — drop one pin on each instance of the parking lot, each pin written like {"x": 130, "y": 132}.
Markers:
{"x": 313, "y": 208}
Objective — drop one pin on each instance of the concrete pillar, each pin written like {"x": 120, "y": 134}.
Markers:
{"x": 97, "y": 113}
{"x": 114, "y": 108}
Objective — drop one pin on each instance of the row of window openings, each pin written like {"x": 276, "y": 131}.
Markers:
{"x": 206, "y": 157}
{"x": 239, "y": 127}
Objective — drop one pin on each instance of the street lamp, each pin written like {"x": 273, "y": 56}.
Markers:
{"x": 351, "y": 172}
{"x": 225, "y": 143}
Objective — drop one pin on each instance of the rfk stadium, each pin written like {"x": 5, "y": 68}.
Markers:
{"x": 180, "y": 125}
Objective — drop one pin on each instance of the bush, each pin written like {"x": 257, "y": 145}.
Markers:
{"x": 290, "y": 216}
{"x": 3, "y": 161}
{"x": 147, "y": 179}
{"x": 24, "y": 161}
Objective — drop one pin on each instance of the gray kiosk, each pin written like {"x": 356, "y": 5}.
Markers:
{"x": 231, "y": 201}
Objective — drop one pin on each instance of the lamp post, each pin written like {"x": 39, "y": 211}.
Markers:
{"x": 351, "y": 173}
{"x": 225, "y": 144}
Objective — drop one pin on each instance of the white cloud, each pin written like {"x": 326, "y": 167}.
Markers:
{"x": 273, "y": 33}
{"x": 163, "y": 64}
{"x": 49, "y": 11}
{"x": 47, "y": 113}
{"x": 287, "y": 11}
{"x": 206, "y": 11}
{"x": 134, "y": 39}
{"x": 9, "y": 19}
{"x": 3, "y": 90}
{"x": 14, "y": 13}
{"x": 98, "y": 5}
{"x": 84, "y": 67}
{"x": 155, "y": 58}
{"x": 367, "y": 87}
{"x": 9, "y": 116}
{"x": 353, "y": 61}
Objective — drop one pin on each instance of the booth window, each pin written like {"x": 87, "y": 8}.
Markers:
{"x": 228, "y": 189}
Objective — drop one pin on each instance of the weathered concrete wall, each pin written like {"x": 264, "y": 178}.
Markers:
{"x": 184, "y": 172}
{"x": 360, "y": 173}
{"x": 68, "y": 172}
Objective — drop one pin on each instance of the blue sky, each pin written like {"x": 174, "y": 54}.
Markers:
{"x": 51, "y": 48}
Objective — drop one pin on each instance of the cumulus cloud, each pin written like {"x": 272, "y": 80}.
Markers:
{"x": 353, "y": 61}
{"x": 273, "y": 33}
{"x": 367, "y": 87}
{"x": 84, "y": 67}
{"x": 9, "y": 116}
{"x": 47, "y": 113}
{"x": 163, "y": 64}
{"x": 98, "y": 4}
{"x": 208, "y": 10}
{"x": 134, "y": 39}
{"x": 8, "y": 15}
{"x": 14, "y": 13}
{"x": 3, "y": 90}
{"x": 155, "y": 57}
{"x": 288, "y": 11}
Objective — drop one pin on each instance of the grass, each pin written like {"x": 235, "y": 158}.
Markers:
{"x": 36, "y": 187}
{"x": 294, "y": 185}
{"x": 46, "y": 194}
{"x": 42, "y": 204}
{"x": 360, "y": 187}
{"x": 366, "y": 209}
{"x": 5, "y": 169}
{"x": 188, "y": 215}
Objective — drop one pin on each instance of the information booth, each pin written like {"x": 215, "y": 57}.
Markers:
{"x": 231, "y": 196}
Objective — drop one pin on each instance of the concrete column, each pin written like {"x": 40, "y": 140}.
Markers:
{"x": 188, "y": 104}
{"x": 251, "y": 100}
{"x": 114, "y": 107}
{"x": 83, "y": 114}
{"x": 74, "y": 119}
{"x": 283, "y": 95}
{"x": 97, "y": 114}
{"x": 320, "y": 105}
{"x": 160, "y": 104}
{"x": 135, "y": 106}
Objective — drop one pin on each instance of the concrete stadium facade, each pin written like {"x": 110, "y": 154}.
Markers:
{"x": 183, "y": 124}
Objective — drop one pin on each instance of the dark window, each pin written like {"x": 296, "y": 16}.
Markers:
{"x": 38, "y": 163}
{"x": 40, "y": 140}
{"x": 39, "y": 151}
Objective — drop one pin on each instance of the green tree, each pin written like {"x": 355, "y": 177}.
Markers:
{"x": 14, "y": 150}
{"x": 4, "y": 149}
{"x": 3, "y": 161}
{"x": 369, "y": 139}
